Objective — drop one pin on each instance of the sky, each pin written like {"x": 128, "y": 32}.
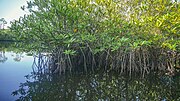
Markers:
{"x": 11, "y": 9}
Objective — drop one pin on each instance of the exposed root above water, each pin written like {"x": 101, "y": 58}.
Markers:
{"x": 141, "y": 61}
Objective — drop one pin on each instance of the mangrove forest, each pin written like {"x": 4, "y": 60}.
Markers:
{"x": 96, "y": 50}
{"x": 126, "y": 36}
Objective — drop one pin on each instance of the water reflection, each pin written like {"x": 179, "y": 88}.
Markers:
{"x": 12, "y": 73}
{"x": 41, "y": 85}
{"x": 98, "y": 86}
{"x": 3, "y": 58}
{"x": 18, "y": 57}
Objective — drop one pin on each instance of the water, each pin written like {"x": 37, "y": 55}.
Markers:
{"x": 17, "y": 78}
{"x": 12, "y": 72}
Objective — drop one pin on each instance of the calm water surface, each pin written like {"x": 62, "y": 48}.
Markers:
{"x": 13, "y": 68}
{"x": 17, "y": 78}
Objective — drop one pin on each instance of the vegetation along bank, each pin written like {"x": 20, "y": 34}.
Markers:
{"x": 123, "y": 35}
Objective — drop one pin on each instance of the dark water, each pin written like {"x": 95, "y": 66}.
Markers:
{"x": 17, "y": 78}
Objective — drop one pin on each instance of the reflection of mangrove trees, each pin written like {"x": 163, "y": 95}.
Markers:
{"x": 18, "y": 57}
{"x": 3, "y": 48}
{"x": 127, "y": 36}
{"x": 42, "y": 85}
{"x": 3, "y": 58}
{"x": 98, "y": 86}
{"x": 9, "y": 47}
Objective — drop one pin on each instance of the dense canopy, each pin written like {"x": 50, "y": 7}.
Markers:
{"x": 125, "y": 35}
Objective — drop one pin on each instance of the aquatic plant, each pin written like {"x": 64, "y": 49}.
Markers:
{"x": 127, "y": 36}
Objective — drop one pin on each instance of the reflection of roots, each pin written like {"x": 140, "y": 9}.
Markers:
{"x": 136, "y": 61}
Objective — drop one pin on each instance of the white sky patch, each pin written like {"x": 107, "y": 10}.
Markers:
{"x": 11, "y": 10}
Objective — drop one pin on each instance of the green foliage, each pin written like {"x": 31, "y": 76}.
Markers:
{"x": 100, "y": 23}
{"x": 69, "y": 52}
{"x": 5, "y": 34}
{"x": 99, "y": 26}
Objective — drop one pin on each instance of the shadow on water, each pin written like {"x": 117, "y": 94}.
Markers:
{"x": 41, "y": 85}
